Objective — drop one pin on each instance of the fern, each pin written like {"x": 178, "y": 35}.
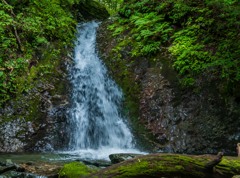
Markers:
{"x": 202, "y": 36}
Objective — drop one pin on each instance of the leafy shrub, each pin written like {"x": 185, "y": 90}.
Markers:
{"x": 25, "y": 29}
{"x": 202, "y": 36}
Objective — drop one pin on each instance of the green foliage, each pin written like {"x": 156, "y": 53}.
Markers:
{"x": 118, "y": 31}
{"x": 202, "y": 36}
{"x": 27, "y": 29}
{"x": 147, "y": 28}
{"x": 75, "y": 170}
{"x": 111, "y": 5}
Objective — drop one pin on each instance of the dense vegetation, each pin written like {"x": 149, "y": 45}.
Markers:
{"x": 28, "y": 28}
{"x": 112, "y": 5}
{"x": 34, "y": 35}
{"x": 203, "y": 37}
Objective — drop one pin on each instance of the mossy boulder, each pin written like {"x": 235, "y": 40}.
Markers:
{"x": 75, "y": 170}
{"x": 120, "y": 157}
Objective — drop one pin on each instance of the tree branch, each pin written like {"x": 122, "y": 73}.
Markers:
{"x": 14, "y": 28}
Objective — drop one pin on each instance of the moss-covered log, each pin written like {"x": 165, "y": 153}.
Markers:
{"x": 173, "y": 165}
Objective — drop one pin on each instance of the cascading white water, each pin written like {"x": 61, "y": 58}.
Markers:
{"x": 96, "y": 124}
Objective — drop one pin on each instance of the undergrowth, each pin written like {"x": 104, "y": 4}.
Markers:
{"x": 202, "y": 36}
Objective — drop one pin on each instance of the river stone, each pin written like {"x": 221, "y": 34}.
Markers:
{"x": 7, "y": 168}
{"x": 20, "y": 174}
{"x": 43, "y": 168}
{"x": 2, "y": 163}
{"x": 97, "y": 163}
{"x": 120, "y": 157}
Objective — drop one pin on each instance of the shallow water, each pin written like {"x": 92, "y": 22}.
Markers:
{"x": 64, "y": 157}
{"x": 35, "y": 157}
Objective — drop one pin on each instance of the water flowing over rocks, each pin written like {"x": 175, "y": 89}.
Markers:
{"x": 186, "y": 120}
{"x": 36, "y": 119}
{"x": 97, "y": 126}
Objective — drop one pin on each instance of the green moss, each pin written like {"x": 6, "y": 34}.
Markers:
{"x": 129, "y": 171}
{"x": 171, "y": 165}
{"x": 229, "y": 165}
{"x": 75, "y": 170}
{"x": 162, "y": 165}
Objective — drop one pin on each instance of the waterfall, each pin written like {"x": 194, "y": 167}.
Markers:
{"x": 96, "y": 124}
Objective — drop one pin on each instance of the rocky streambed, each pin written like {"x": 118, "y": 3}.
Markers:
{"x": 121, "y": 165}
{"x": 30, "y": 165}
{"x": 49, "y": 165}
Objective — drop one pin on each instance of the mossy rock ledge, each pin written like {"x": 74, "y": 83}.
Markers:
{"x": 173, "y": 166}
{"x": 36, "y": 118}
{"x": 120, "y": 157}
{"x": 163, "y": 114}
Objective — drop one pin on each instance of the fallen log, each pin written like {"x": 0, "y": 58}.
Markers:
{"x": 173, "y": 166}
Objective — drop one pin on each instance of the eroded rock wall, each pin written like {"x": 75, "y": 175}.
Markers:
{"x": 186, "y": 120}
{"x": 35, "y": 120}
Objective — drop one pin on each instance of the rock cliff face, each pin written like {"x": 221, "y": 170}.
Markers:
{"x": 36, "y": 120}
{"x": 185, "y": 120}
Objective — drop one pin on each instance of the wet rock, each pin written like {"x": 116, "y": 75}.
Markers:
{"x": 177, "y": 119}
{"x": 29, "y": 169}
{"x": 7, "y": 168}
{"x": 35, "y": 121}
{"x": 89, "y": 10}
{"x": 236, "y": 176}
{"x": 12, "y": 174}
{"x": 44, "y": 169}
{"x": 97, "y": 163}
{"x": 117, "y": 158}
{"x": 29, "y": 163}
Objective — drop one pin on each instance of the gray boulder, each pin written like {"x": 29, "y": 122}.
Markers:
{"x": 120, "y": 157}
